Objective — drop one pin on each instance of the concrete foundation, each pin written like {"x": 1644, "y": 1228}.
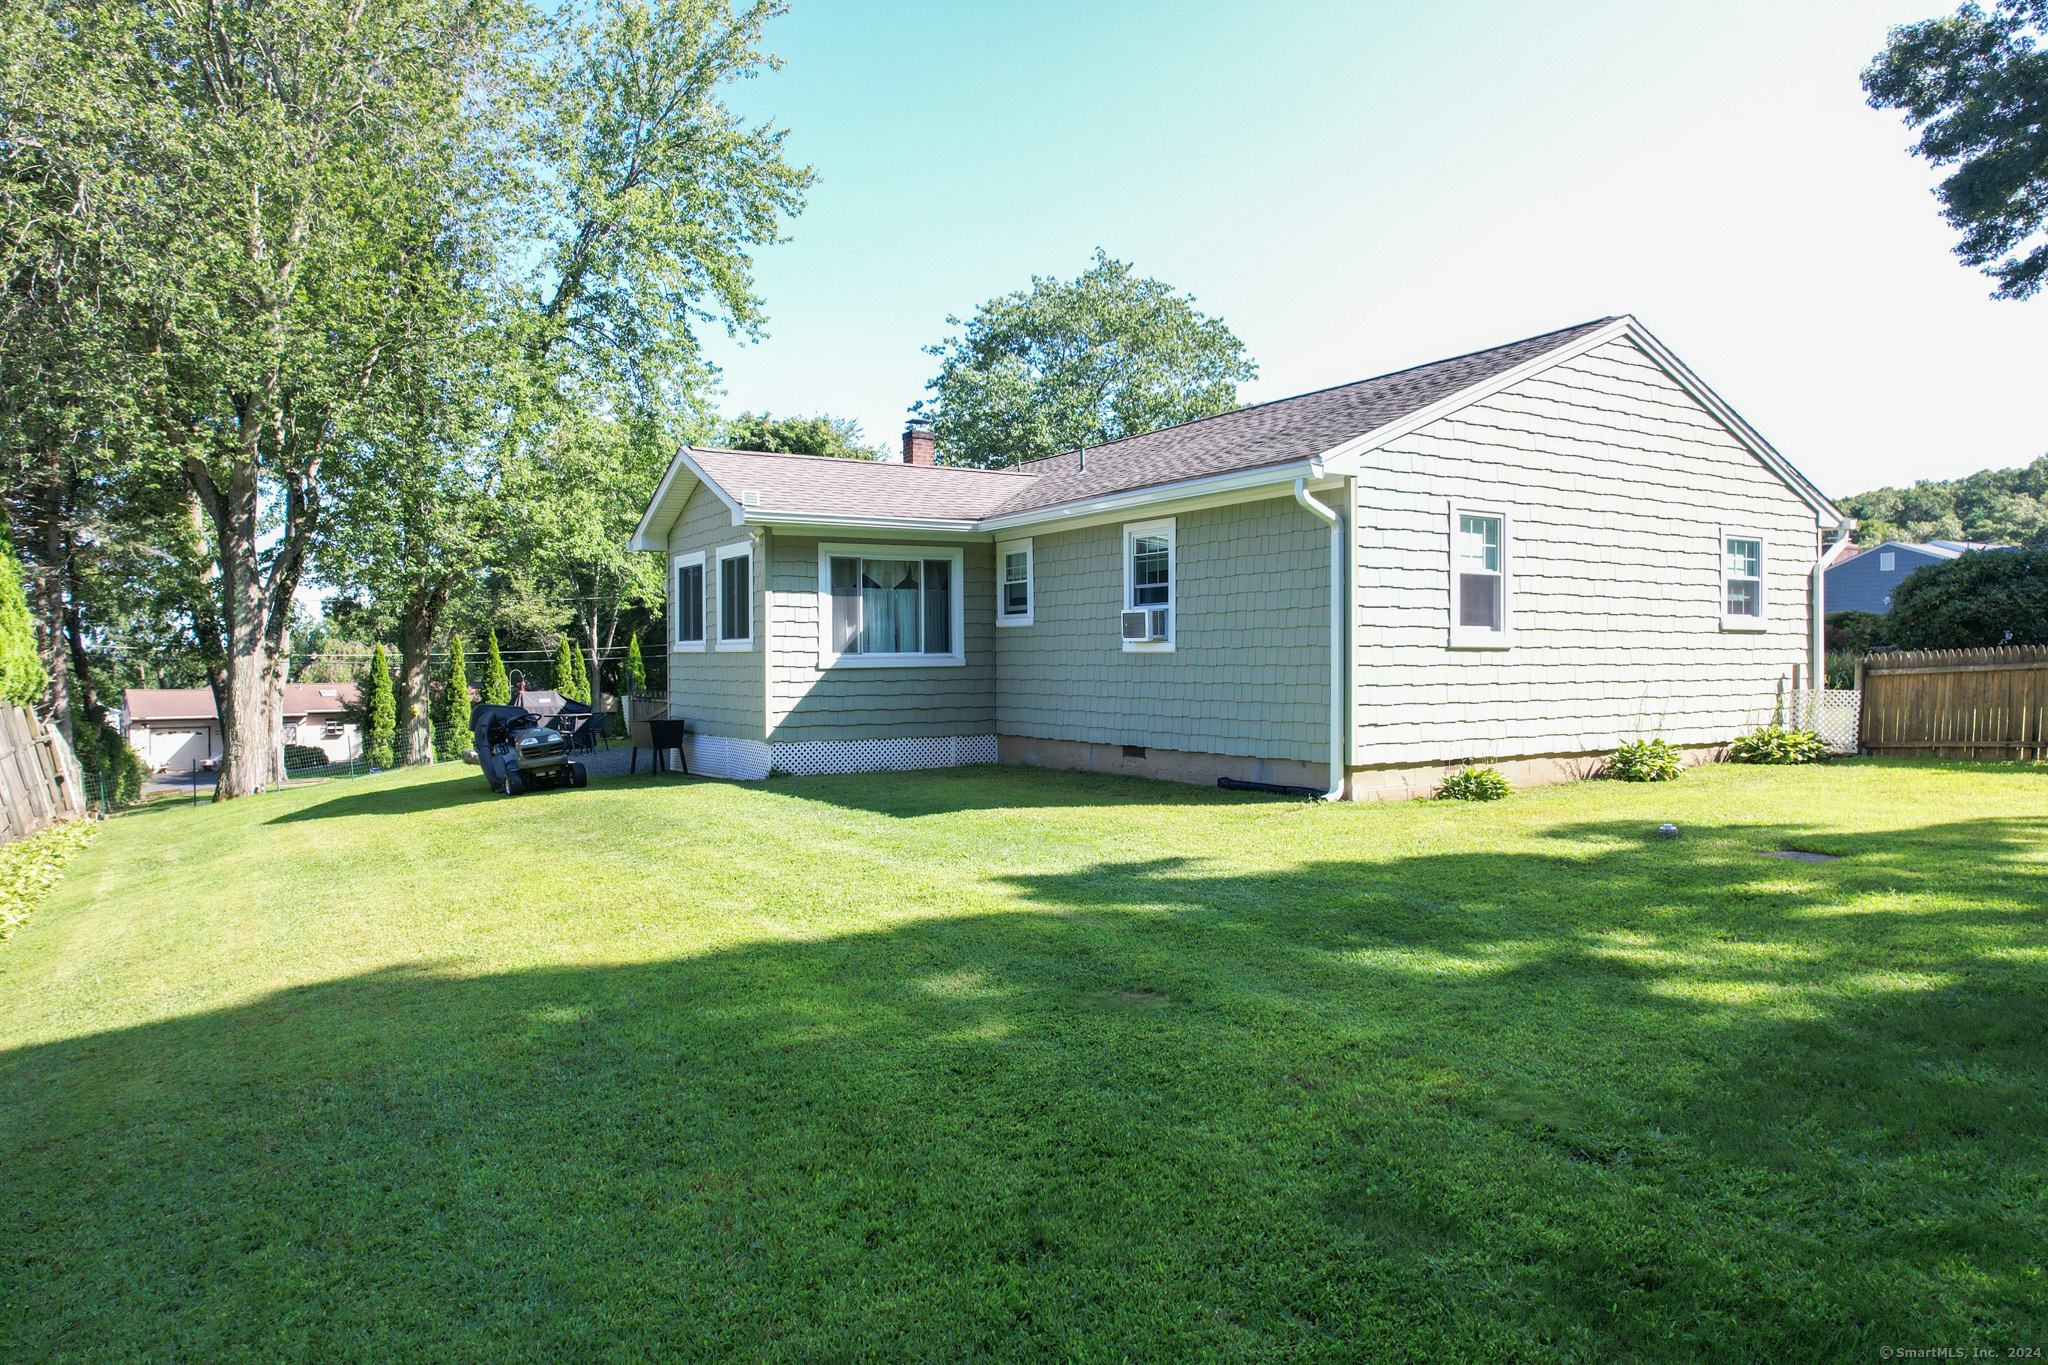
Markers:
{"x": 1168, "y": 765}
{"x": 1383, "y": 782}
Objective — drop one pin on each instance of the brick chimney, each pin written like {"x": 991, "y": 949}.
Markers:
{"x": 918, "y": 447}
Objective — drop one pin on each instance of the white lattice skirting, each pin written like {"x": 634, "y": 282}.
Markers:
{"x": 1833, "y": 715}
{"x": 746, "y": 760}
{"x": 749, "y": 760}
{"x": 882, "y": 755}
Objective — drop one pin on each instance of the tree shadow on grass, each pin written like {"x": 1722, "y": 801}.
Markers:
{"x": 1352, "y": 1110}
{"x": 989, "y": 786}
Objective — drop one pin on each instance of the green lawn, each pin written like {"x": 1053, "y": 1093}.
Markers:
{"x": 1000, "y": 1064}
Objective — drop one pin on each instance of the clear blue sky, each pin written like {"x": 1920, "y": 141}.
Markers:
{"x": 1360, "y": 187}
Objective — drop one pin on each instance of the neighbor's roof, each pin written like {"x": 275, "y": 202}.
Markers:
{"x": 1289, "y": 431}
{"x": 145, "y": 705}
{"x": 1933, "y": 549}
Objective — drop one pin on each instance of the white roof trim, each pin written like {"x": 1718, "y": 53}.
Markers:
{"x": 768, "y": 517}
{"x": 1159, "y": 492}
{"x": 660, "y": 517}
{"x": 1345, "y": 458}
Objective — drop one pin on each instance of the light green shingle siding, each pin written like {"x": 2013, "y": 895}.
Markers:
{"x": 718, "y": 691}
{"x": 813, "y": 703}
{"x": 1249, "y": 672}
{"x": 1616, "y": 484}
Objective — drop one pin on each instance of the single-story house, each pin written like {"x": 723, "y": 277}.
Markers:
{"x": 1864, "y": 581}
{"x": 1524, "y": 556}
{"x": 173, "y": 728}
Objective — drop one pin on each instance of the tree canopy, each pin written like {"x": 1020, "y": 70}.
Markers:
{"x": 820, "y": 435}
{"x": 1071, "y": 363}
{"x": 1998, "y": 506}
{"x": 1975, "y": 85}
{"x": 1987, "y": 597}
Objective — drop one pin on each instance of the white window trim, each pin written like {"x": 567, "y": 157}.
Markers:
{"x": 1471, "y": 637}
{"x": 1762, "y": 620}
{"x": 828, "y": 659}
{"x": 1132, "y": 530}
{"x": 739, "y": 549}
{"x": 1004, "y": 549}
{"x": 675, "y": 641}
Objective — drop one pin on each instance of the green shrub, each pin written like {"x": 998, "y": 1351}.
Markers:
{"x": 636, "y": 669}
{"x": 1646, "y": 760}
{"x": 112, "y": 770}
{"x": 450, "y": 715}
{"x": 1776, "y": 744}
{"x": 380, "y": 712}
{"x": 1474, "y": 784}
{"x": 497, "y": 685}
{"x": 299, "y": 756}
{"x": 22, "y": 679}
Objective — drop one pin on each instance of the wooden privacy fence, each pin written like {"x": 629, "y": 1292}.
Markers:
{"x": 1957, "y": 703}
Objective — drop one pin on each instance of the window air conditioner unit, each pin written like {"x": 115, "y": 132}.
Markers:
{"x": 1145, "y": 624}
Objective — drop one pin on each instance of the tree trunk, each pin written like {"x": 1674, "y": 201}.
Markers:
{"x": 84, "y": 699}
{"x": 54, "y": 578}
{"x": 253, "y": 612}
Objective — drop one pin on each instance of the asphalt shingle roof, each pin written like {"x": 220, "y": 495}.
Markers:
{"x": 873, "y": 488}
{"x": 1272, "y": 433}
{"x": 1280, "y": 432}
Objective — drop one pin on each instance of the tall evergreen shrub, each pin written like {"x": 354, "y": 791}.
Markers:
{"x": 451, "y": 719}
{"x": 22, "y": 679}
{"x": 497, "y": 688}
{"x": 565, "y": 667}
{"x": 380, "y": 712}
{"x": 636, "y": 668}
{"x": 579, "y": 677}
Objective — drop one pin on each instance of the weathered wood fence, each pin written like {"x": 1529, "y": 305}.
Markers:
{"x": 1957, "y": 703}
{"x": 40, "y": 783}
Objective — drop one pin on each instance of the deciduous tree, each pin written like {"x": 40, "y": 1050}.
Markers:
{"x": 1072, "y": 363}
{"x": 1975, "y": 85}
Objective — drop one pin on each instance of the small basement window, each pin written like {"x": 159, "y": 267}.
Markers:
{"x": 1742, "y": 580}
{"x": 1479, "y": 580}
{"x": 890, "y": 604}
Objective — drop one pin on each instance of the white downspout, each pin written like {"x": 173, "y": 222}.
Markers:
{"x": 1817, "y": 644}
{"x": 1301, "y": 495}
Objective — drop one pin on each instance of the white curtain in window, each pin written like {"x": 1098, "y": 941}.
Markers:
{"x": 889, "y": 606}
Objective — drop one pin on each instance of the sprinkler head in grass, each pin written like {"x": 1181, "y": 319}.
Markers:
{"x": 1667, "y": 831}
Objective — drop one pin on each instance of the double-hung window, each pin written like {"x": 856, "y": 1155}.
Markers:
{"x": 1742, "y": 580}
{"x": 890, "y": 604}
{"x": 1013, "y": 583}
{"x": 736, "y": 595}
{"x": 686, "y": 600}
{"x": 1149, "y": 588}
{"x": 1479, "y": 581}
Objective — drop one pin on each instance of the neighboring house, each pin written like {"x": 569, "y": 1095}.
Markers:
{"x": 175, "y": 727}
{"x": 171, "y": 727}
{"x": 1866, "y": 581}
{"x": 1539, "y": 552}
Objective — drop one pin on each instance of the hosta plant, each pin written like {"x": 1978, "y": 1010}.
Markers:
{"x": 1646, "y": 760}
{"x": 1474, "y": 784}
{"x": 1776, "y": 744}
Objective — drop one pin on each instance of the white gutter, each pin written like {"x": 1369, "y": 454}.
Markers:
{"x": 1817, "y": 645}
{"x": 1301, "y": 495}
{"x": 1156, "y": 493}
